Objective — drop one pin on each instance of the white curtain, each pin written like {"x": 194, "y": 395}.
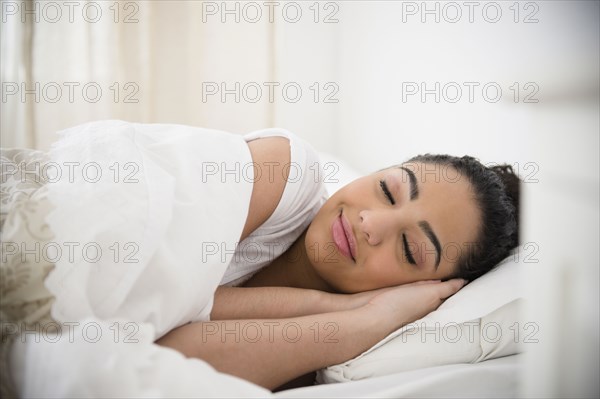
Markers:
{"x": 144, "y": 61}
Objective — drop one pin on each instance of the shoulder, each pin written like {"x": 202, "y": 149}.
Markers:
{"x": 271, "y": 158}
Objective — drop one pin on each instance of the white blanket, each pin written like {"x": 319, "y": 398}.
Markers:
{"x": 109, "y": 359}
{"x": 147, "y": 217}
{"x": 162, "y": 207}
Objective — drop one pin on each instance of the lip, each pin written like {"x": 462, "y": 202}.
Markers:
{"x": 349, "y": 235}
{"x": 343, "y": 237}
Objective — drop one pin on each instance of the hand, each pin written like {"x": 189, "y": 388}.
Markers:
{"x": 407, "y": 303}
{"x": 359, "y": 299}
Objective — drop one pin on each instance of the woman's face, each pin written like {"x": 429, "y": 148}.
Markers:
{"x": 417, "y": 234}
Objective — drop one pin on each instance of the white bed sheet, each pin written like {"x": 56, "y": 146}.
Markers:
{"x": 496, "y": 378}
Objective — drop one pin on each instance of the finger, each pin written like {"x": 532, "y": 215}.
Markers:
{"x": 422, "y": 282}
{"x": 450, "y": 287}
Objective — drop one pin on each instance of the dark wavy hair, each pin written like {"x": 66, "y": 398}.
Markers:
{"x": 497, "y": 192}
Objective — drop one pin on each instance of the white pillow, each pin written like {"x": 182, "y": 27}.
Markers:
{"x": 480, "y": 322}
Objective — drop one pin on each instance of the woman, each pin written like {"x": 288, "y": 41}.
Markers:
{"x": 336, "y": 275}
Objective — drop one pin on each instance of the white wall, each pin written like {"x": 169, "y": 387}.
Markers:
{"x": 375, "y": 53}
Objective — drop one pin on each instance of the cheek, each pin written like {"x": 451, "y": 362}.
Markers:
{"x": 357, "y": 187}
{"x": 321, "y": 250}
{"x": 450, "y": 256}
{"x": 315, "y": 241}
{"x": 381, "y": 269}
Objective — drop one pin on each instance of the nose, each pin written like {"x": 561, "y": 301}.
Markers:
{"x": 375, "y": 224}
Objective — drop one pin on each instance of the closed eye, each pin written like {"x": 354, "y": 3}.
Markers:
{"x": 407, "y": 254}
{"x": 386, "y": 191}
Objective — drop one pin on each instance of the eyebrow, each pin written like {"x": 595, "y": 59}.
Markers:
{"x": 414, "y": 188}
{"x": 436, "y": 243}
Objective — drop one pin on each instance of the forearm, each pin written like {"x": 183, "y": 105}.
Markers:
{"x": 272, "y": 352}
{"x": 231, "y": 303}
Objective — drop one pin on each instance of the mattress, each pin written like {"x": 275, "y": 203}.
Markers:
{"x": 496, "y": 378}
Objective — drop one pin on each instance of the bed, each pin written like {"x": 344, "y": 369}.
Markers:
{"x": 404, "y": 364}
{"x": 496, "y": 378}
